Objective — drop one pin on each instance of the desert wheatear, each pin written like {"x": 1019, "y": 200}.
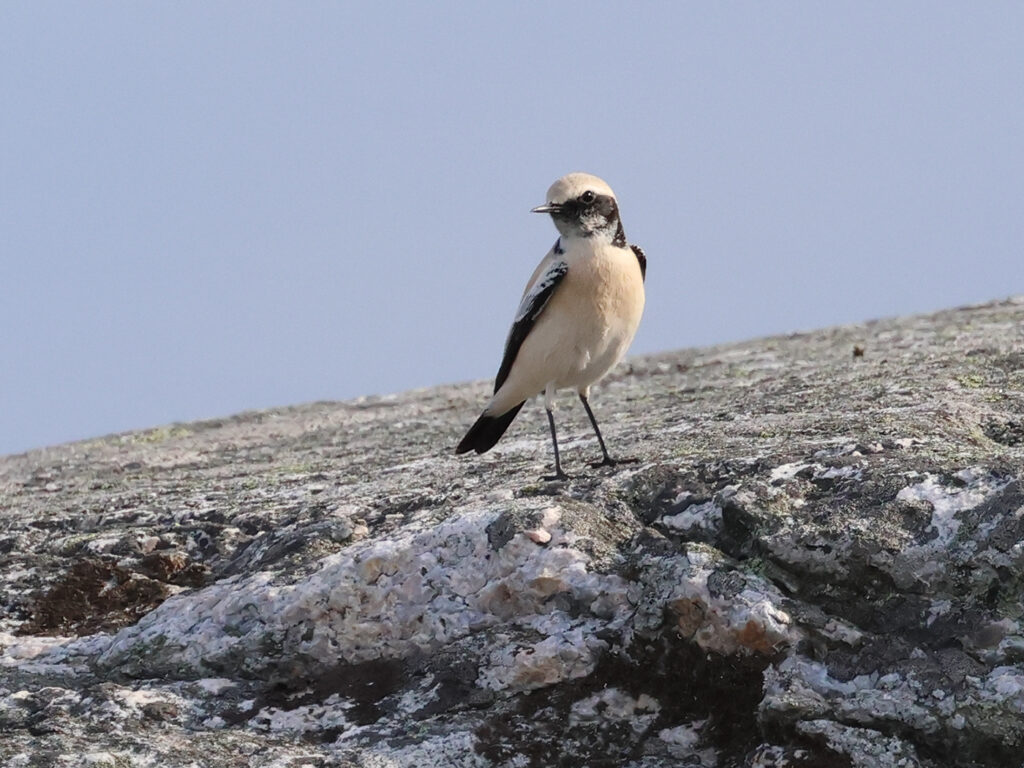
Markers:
{"x": 577, "y": 317}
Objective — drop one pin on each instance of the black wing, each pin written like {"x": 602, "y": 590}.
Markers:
{"x": 642, "y": 259}
{"x": 529, "y": 310}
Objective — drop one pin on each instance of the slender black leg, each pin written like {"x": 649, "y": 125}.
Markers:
{"x": 608, "y": 461}
{"x": 559, "y": 474}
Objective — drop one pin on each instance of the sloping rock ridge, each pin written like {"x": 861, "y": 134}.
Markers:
{"x": 818, "y": 560}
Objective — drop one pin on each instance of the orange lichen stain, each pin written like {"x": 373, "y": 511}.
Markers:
{"x": 754, "y": 637}
{"x": 690, "y": 615}
{"x": 548, "y": 585}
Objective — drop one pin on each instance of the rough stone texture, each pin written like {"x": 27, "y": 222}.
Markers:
{"x": 818, "y": 561}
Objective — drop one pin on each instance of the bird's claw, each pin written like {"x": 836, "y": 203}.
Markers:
{"x": 559, "y": 477}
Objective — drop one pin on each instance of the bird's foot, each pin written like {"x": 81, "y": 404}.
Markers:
{"x": 608, "y": 461}
{"x": 559, "y": 476}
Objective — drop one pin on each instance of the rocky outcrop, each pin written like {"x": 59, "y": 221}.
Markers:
{"x": 817, "y": 561}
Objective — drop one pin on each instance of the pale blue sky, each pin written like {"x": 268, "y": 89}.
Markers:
{"x": 208, "y": 207}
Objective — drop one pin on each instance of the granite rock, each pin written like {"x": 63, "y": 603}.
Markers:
{"x": 817, "y": 561}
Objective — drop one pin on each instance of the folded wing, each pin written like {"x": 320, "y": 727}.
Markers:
{"x": 530, "y": 308}
{"x": 641, "y": 258}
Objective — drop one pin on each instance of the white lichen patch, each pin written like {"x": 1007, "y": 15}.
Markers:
{"x": 215, "y": 686}
{"x": 926, "y": 563}
{"x": 842, "y": 632}
{"x": 862, "y": 747}
{"x": 102, "y": 544}
{"x": 949, "y": 501}
{"x": 446, "y": 751}
{"x": 785, "y": 472}
{"x": 133, "y": 700}
{"x": 17, "y": 650}
{"x": 894, "y": 698}
{"x": 845, "y": 472}
{"x": 103, "y": 759}
{"x": 415, "y": 699}
{"x": 561, "y": 656}
{"x": 50, "y": 655}
{"x": 616, "y": 705}
{"x": 326, "y": 715}
{"x": 683, "y": 742}
{"x": 936, "y": 609}
{"x": 818, "y": 472}
{"x": 1006, "y": 686}
{"x": 705, "y": 517}
{"x": 747, "y": 618}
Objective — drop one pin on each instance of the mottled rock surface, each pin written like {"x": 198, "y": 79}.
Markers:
{"x": 817, "y": 561}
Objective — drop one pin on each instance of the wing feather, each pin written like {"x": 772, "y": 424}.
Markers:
{"x": 642, "y": 258}
{"x": 530, "y": 308}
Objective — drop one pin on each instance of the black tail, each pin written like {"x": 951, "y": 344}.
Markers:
{"x": 487, "y": 431}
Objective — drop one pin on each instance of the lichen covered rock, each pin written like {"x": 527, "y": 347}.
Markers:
{"x": 819, "y": 560}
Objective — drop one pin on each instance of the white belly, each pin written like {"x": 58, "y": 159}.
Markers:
{"x": 584, "y": 330}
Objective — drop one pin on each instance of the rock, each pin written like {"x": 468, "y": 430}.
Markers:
{"x": 819, "y": 561}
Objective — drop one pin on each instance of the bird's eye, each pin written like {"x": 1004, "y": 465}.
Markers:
{"x": 587, "y": 197}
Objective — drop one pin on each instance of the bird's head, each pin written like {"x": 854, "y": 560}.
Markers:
{"x": 582, "y": 205}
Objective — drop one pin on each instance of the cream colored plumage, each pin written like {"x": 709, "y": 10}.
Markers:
{"x": 579, "y": 312}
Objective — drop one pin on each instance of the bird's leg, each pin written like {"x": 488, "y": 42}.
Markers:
{"x": 559, "y": 474}
{"x": 608, "y": 461}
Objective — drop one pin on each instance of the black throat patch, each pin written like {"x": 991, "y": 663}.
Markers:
{"x": 599, "y": 215}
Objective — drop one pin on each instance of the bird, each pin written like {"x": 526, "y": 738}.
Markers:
{"x": 577, "y": 316}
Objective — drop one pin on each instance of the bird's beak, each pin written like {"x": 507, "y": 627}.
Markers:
{"x": 547, "y": 208}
